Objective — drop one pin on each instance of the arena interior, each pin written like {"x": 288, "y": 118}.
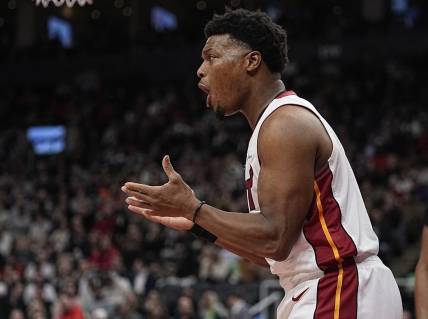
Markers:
{"x": 96, "y": 94}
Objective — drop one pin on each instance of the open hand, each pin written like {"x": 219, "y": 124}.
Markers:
{"x": 173, "y": 199}
{"x": 177, "y": 223}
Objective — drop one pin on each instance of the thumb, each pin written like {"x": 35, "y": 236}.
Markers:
{"x": 167, "y": 167}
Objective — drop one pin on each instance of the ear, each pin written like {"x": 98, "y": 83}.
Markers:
{"x": 254, "y": 60}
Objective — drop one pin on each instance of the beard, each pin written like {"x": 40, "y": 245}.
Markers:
{"x": 220, "y": 113}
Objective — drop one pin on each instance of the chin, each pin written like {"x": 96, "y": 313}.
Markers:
{"x": 222, "y": 111}
{"x": 229, "y": 112}
{"x": 219, "y": 112}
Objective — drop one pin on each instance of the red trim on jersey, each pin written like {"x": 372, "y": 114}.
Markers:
{"x": 327, "y": 290}
{"x": 349, "y": 297}
{"x": 334, "y": 252}
{"x": 248, "y": 186}
{"x": 313, "y": 230}
{"x": 285, "y": 93}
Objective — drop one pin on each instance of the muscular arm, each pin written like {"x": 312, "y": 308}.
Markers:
{"x": 287, "y": 151}
{"x": 421, "y": 288}
{"x": 183, "y": 224}
{"x": 287, "y": 148}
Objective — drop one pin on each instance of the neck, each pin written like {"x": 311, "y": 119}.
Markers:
{"x": 259, "y": 98}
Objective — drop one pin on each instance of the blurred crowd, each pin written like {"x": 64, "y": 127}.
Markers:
{"x": 70, "y": 249}
{"x": 23, "y": 33}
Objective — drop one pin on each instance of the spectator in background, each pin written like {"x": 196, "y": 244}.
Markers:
{"x": 131, "y": 244}
{"x": 210, "y": 306}
{"x": 154, "y": 307}
{"x": 185, "y": 308}
{"x": 37, "y": 310}
{"x": 93, "y": 294}
{"x": 213, "y": 267}
{"x": 105, "y": 290}
{"x": 142, "y": 281}
{"x": 421, "y": 288}
{"x": 99, "y": 313}
{"x": 37, "y": 287}
{"x": 14, "y": 299}
{"x": 68, "y": 306}
{"x": 17, "y": 314}
{"x": 104, "y": 253}
{"x": 126, "y": 310}
{"x": 238, "y": 308}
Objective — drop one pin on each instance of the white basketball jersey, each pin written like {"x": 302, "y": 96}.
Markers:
{"x": 337, "y": 230}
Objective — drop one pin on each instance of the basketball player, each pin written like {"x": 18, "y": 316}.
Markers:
{"x": 307, "y": 218}
{"x": 421, "y": 280}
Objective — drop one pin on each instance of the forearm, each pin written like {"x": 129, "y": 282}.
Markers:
{"x": 251, "y": 257}
{"x": 250, "y": 234}
{"x": 421, "y": 290}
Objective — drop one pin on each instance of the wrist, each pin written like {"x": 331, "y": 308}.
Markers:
{"x": 202, "y": 233}
{"x": 191, "y": 208}
{"x": 196, "y": 212}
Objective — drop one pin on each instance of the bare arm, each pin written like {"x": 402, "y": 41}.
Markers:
{"x": 183, "y": 224}
{"x": 287, "y": 150}
{"x": 421, "y": 284}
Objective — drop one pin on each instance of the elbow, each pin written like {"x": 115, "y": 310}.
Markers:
{"x": 280, "y": 254}
{"x": 277, "y": 249}
{"x": 278, "y": 241}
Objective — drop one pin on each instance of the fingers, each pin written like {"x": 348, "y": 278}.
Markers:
{"x": 139, "y": 210}
{"x": 139, "y": 203}
{"x": 169, "y": 169}
{"x": 137, "y": 195}
{"x": 154, "y": 218}
{"x": 141, "y": 188}
{"x": 147, "y": 213}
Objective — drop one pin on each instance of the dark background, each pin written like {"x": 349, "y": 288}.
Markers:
{"x": 126, "y": 94}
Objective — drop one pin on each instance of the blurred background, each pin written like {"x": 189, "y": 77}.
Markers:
{"x": 92, "y": 96}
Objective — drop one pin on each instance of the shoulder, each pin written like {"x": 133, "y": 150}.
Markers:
{"x": 290, "y": 126}
{"x": 291, "y": 118}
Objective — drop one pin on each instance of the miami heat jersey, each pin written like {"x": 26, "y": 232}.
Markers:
{"x": 337, "y": 232}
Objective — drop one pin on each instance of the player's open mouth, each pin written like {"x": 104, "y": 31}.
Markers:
{"x": 205, "y": 88}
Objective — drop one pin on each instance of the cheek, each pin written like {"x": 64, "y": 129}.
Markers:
{"x": 226, "y": 81}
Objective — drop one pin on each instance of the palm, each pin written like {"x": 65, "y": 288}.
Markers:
{"x": 177, "y": 223}
{"x": 166, "y": 204}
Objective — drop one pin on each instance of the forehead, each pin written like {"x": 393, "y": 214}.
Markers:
{"x": 221, "y": 42}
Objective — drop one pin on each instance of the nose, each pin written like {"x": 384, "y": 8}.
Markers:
{"x": 201, "y": 71}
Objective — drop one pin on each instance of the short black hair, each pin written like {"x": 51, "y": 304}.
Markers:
{"x": 257, "y": 30}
